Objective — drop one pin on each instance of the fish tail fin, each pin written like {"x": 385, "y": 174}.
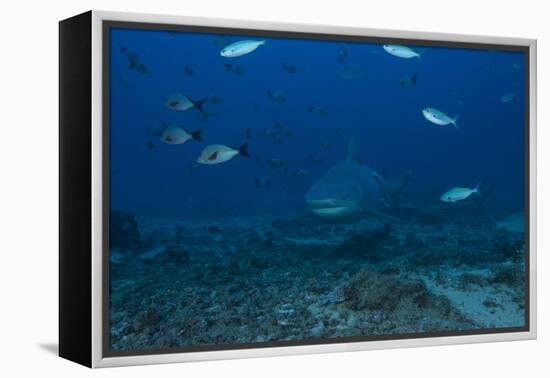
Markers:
{"x": 228, "y": 66}
{"x": 413, "y": 79}
{"x": 270, "y": 94}
{"x": 243, "y": 150}
{"x": 198, "y": 104}
{"x": 476, "y": 189}
{"x": 310, "y": 109}
{"x": 132, "y": 64}
{"x": 123, "y": 48}
{"x": 197, "y": 135}
{"x": 454, "y": 121}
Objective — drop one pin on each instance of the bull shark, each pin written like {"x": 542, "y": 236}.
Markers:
{"x": 351, "y": 188}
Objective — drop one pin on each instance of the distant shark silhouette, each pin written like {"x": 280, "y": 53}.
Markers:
{"x": 351, "y": 188}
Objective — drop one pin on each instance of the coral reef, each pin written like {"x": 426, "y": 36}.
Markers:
{"x": 254, "y": 279}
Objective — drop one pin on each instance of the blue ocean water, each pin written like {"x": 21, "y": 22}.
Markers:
{"x": 326, "y": 93}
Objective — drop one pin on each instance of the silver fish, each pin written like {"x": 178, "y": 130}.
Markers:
{"x": 240, "y": 48}
{"x": 439, "y": 118}
{"x": 458, "y": 194}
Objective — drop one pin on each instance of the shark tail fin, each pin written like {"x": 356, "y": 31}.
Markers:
{"x": 413, "y": 79}
{"x": 353, "y": 151}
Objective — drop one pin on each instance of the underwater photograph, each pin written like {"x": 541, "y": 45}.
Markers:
{"x": 272, "y": 189}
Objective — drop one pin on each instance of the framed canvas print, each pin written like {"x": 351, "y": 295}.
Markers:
{"x": 237, "y": 189}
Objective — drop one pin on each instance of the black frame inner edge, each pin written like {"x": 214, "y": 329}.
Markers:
{"x": 109, "y": 24}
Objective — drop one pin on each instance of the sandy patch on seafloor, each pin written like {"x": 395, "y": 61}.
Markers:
{"x": 506, "y": 313}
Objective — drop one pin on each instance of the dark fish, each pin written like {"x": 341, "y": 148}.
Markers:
{"x": 342, "y": 53}
{"x": 277, "y": 96}
{"x": 124, "y": 82}
{"x": 290, "y": 68}
{"x": 407, "y": 81}
{"x": 316, "y": 110}
{"x": 188, "y": 70}
{"x": 123, "y": 49}
{"x": 234, "y": 68}
{"x": 326, "y": 145}
{"x": 284, "y": 129}
{"x": 205, "y": 115}
{"x": 133, "y": 61}
{"x": 150, "y": 144}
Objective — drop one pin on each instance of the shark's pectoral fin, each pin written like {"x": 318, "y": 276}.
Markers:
{"x": 384, "y": 216}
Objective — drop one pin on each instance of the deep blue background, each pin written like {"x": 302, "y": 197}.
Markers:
{"x": 383, "y": 115}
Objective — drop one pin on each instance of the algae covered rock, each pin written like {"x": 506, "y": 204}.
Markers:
{"x": 371, "y": 290}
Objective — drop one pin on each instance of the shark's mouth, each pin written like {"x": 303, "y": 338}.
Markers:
{"x": 331, "y": 208}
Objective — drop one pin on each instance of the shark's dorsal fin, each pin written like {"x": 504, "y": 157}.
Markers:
{"x": 353, "y": 151}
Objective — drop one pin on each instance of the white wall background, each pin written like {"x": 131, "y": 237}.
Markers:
{"x": 28, "y": 200}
